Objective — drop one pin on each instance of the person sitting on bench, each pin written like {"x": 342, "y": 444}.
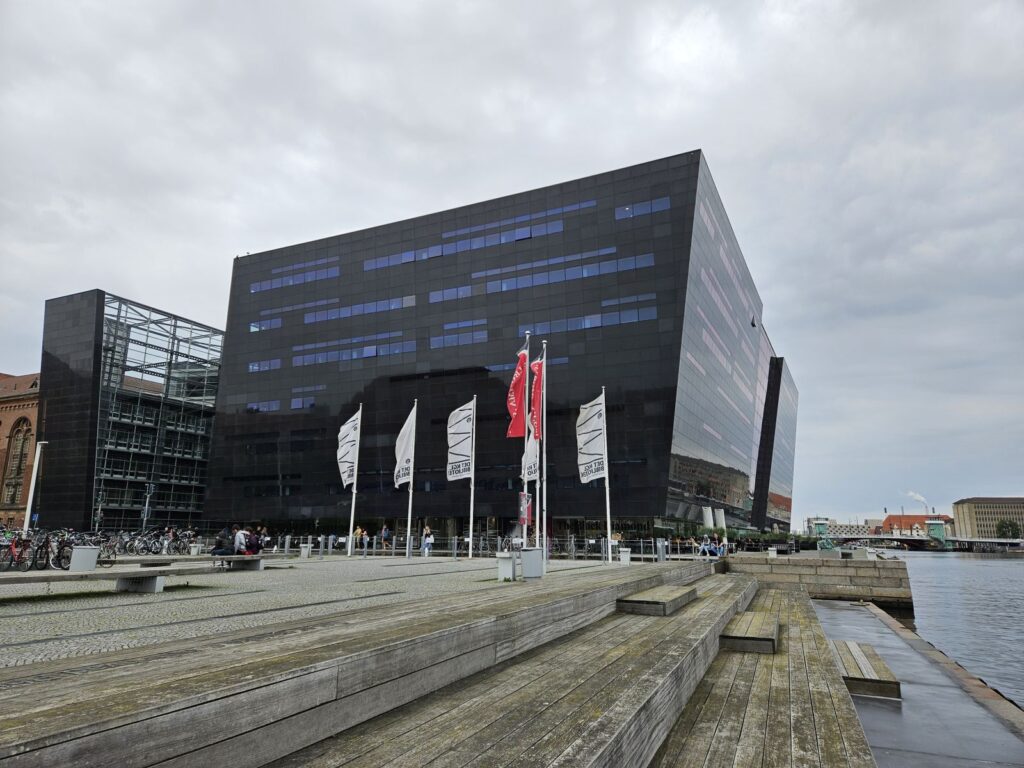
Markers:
{"x": 225, "y": 543}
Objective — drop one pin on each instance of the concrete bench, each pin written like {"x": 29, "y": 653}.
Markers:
{"x": 659, "y": 601}
{"x": 233, "y": 562}
{"x": 150, "y": 580}
{"x": 863, "y": 670}
{"x": 752, "y": 631}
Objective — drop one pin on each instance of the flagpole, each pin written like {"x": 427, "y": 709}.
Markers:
{"x": 526, "y": 433}
{"x": 472, "y": 476}
{"x": 412, "y": 469}
{"x": 544, "y": 445}
{"x": 355, "y": 480}
{"x": 607, "y": 480}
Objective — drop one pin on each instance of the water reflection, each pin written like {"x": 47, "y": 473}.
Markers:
{"x": 972, "y": 608}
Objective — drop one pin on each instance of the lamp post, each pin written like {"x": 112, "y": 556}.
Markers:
{"x": 32, "y": 485}
{"x": 150, "y": 488}
{"x": 100, "y": 498}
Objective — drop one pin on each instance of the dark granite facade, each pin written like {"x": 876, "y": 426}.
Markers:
{"x": 635, "y": 279}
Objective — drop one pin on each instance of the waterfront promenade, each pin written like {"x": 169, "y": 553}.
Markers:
{"x": 432, "y": 662}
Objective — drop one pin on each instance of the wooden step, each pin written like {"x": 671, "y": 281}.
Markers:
{"x": 286, "y": 685}
{"x": 755, "y": 710}
{"x": 863, "y": 670}
{"x": 659, "y": 601}
{"x": 605, "y": 696}
{"x": 751, "y": 631}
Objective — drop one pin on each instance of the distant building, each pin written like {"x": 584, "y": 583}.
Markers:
{"x": 19, "y": 403}
{"x": 126, "y": 406}
{"x": 914, "y": 525}
{"x": 833, "y": 528}
{"x": 874, "y": 524}
{"x": 977, "y": 517}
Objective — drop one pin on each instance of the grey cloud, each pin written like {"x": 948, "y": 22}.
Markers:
{"x": 868, "y": 155}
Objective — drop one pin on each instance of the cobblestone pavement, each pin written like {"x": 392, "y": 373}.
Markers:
{"x": 40, "y": 622}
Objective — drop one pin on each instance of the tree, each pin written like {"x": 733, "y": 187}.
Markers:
{"x": 1007, "y": 529}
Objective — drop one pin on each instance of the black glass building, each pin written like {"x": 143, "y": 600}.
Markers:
{"x": 126, "y": 407}
{"x": 635, "y": 279}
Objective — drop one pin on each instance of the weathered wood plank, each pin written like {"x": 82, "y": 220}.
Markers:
{"x": 751, "y": 743}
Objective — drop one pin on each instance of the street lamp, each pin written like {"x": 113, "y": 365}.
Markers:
{"x": 150, "y": 488}
{"x": 32, "y": 485}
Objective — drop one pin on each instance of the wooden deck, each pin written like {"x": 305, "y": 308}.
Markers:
{"x": 280, "y": 687}
{"x": 787, "y": 709}
{"x": 603, "y": 696}
{"x": 863, "y": 670}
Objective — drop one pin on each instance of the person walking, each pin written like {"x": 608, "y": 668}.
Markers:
{"x": 385, "y": 537}
{"x": 428, "y": 541}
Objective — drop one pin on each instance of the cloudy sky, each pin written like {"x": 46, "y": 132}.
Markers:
{"x": 870, "y": 154}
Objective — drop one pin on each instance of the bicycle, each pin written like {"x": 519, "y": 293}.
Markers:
{"x": 18, "y": 553}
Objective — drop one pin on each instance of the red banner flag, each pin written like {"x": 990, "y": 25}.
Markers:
{"x": 516, "y": 390}
{"x": 537, "y": 396}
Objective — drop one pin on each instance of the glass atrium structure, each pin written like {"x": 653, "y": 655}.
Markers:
{"x": 126, "y": 404}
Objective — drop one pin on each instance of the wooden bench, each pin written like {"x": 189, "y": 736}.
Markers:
{"x": 863, "y": 670}
{"x": 753, "y": 631}
{"x": 659, "y": 601}
{"x": 150, "y": 580}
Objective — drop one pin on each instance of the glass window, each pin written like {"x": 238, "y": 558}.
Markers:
{"x": 645, "y": 260}
{"x": 628, "y": 316}
{"x": 648, "y": 313}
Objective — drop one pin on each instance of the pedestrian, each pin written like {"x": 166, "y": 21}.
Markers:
{"x": 366, "y": 540}
{"x": 241, "y": 540}
{"x": 428, "y": 541}
{"x": 385, "y": 537}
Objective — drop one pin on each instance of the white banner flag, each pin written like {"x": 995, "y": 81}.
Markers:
{"x": 405, "y": 449}
{"x": 531, "y": 459}
{"x": 590, "y": 437}
{"x": 460, "y": 441}
{"x": 348, "y": 449}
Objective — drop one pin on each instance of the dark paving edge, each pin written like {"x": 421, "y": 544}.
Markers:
{"x": 1007, "y": 711}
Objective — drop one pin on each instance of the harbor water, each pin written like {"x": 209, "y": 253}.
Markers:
{"x": 971, "y": 607}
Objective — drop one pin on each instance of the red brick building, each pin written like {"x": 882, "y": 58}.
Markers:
{"x": 19, "y": 404}
{"x": 914, "y": 525}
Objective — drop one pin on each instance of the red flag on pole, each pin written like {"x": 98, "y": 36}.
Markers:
{"x": 537, "y": 395}
{"x": 516, "y": 390}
